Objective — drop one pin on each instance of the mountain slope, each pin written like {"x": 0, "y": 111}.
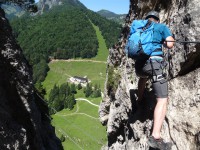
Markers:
{"x": 46, "y": 5}
{"x": 107, "y": 13}
{"x": 119, "y": 18}
{"x": 110, "y": 29}
{"x": 63, "y": 32}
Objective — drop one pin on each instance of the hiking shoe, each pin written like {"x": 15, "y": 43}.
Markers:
{"x": 159, "y": 143}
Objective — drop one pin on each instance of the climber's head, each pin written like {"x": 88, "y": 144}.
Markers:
{"x": 153, "y": 14}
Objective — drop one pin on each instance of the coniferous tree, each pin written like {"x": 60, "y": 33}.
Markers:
{"x": 73, "y": 88}
{"x": 68, "y": 91}
{"x": 40, "y": 71}
{"x": 88, "y": 90}
{"x": 53, "y": 93}
{"x": 63, "y": 91}
{"x": 71, "y": 101}
{"x": 66, "y": 102}
{"x": 40, "y": 89}
{"x": 61, "y": 97}
{"x": 55, "y": 102}
{"x": 58, "y": 104}
{"x": 79, "y": 86}
{"x": 97, "y": 91}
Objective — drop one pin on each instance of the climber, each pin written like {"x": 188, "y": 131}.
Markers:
{"x": 153, "y": 68}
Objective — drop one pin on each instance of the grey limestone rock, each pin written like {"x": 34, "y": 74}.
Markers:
{"x": 24, "y": 119}
{"x": 129, "y": 125}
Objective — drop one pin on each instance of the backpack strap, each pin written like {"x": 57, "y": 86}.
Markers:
{"x": 143, "y": 29}
{"x": 147, "y": 25}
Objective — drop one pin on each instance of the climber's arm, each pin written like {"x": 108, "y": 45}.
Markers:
{"x": 167, "y": 43}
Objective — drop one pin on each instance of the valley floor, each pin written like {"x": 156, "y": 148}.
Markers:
{"x": 80, "y": 126}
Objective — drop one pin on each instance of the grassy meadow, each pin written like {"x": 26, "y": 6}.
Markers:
{"x": 61, "y": 71}
{"x": 80, "y": 126}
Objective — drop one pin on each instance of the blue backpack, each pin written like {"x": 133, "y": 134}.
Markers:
{"x": 140, "y": 42}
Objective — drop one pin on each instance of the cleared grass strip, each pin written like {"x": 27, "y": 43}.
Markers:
{"x": 102, "y": 50}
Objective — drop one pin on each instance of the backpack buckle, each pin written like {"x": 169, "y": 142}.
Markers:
{"x": 158, "y": 78}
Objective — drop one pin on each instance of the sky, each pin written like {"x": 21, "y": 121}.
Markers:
{"x": 116, "y": 6}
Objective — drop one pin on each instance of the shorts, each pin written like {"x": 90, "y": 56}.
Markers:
{"x": 153, "y": 69}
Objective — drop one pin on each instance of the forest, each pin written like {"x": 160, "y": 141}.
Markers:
{"x": 63, "y": 97}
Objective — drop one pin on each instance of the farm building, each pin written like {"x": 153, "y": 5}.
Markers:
{"x": 82, "y": 80}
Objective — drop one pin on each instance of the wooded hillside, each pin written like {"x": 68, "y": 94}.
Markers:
{"x": 63, "y": 32}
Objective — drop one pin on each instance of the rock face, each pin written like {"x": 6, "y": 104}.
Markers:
{"x": 128, "y": 126}
{"x": 45, "y": 5}
{"x": 24, "y": 119}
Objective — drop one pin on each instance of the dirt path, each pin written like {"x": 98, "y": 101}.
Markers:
{"x": 77, "y": 60}
{"x": 77, "y": 109}
{"x": 83, "y": 99}
{"x": 77, "y": 113}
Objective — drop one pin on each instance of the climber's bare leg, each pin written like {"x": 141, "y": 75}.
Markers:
{"x": 159, "y": 116}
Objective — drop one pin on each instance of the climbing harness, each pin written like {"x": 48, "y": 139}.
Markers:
{"x": 158, "y": 77}
{"x": 167, "y": 67}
